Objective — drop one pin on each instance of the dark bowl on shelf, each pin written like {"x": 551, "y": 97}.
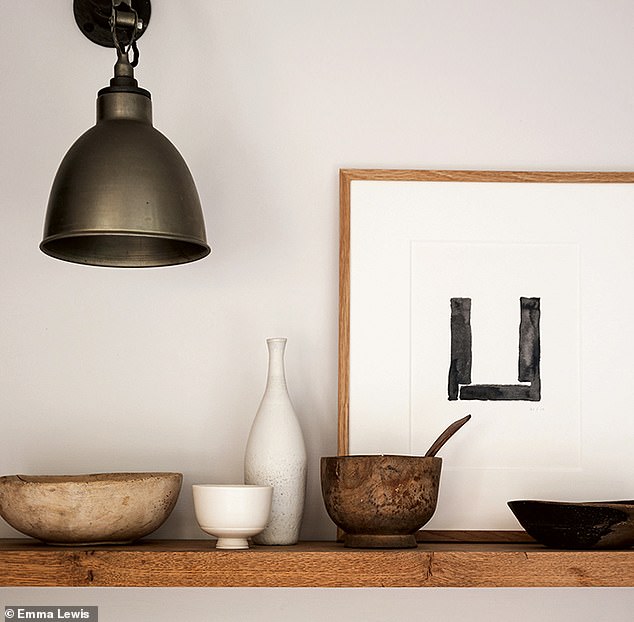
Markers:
{"x": 380, "y": 501}
{"x": 586, "y": 525}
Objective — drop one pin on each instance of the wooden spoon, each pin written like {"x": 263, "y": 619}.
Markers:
{"x": 445, "y": 436}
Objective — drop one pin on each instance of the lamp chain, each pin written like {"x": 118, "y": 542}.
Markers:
{"x": 135, "y": 25}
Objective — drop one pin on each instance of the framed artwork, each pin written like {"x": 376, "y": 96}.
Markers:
{"x": 504, "y": 295}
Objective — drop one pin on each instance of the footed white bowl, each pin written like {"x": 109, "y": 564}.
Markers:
{"x": 232, "y": 513}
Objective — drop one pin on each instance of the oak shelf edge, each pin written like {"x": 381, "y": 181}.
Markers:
{"x": 196, "y": 563}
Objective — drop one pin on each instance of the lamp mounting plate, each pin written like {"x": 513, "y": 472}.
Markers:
{"x": 93, "y": 19}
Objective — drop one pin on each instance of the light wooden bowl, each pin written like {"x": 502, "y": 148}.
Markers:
{"x": 103, "y": 508}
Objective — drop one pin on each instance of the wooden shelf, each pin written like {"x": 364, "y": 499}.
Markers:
{"x": 196, "y": 563}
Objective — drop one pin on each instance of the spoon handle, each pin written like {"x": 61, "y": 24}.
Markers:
{"x": 445, "y": 436}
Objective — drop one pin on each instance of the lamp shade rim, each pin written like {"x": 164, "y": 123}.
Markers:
{"x": 79, "y": 233}
{"x": 124, "y": 249}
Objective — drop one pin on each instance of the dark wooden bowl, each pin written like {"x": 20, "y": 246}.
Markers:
{"x": 587, "y": 525}
{"x": 380, "y": 501}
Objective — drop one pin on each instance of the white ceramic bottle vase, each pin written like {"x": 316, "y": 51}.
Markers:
{"x": 276, "y": 455}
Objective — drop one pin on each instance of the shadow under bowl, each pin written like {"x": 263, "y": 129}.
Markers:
{"x": 380, "y": 501}
{"x": 584, "y": 525}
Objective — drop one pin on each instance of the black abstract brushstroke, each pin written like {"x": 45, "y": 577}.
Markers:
{"x": 528, "y": 360}
{"x": 530, "y": 347}
{"x": 460, "y": 365}
{"x": 496, "y": 392}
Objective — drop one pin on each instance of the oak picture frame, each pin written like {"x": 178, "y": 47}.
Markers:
{"x": 347, "y": 179}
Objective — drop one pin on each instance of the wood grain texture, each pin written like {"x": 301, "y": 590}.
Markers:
{"x": 344, "y": 312}
{"x": 577, "y": 177}
{"x": 476, "y": 536}
{"x": 196, "y": 563}
{"x": 348, "y": 176}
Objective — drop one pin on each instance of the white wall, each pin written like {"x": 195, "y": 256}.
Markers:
{"x": 163, "y": 369}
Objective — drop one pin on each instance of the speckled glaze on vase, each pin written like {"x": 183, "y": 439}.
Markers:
{"x": 275, "y": 453}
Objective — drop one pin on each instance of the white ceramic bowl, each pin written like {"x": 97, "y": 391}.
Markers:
{"x": 232, "y": 513}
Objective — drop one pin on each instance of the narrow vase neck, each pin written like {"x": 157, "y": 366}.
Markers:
{"x": 276, "y": 378}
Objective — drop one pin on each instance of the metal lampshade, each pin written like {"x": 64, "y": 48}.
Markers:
{"x": 123, "y": 195}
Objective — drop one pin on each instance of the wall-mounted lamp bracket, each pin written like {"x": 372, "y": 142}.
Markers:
{"x": 94, "y": 18}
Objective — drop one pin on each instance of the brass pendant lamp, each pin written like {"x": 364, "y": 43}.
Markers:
{"x": 123, "y": 195}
